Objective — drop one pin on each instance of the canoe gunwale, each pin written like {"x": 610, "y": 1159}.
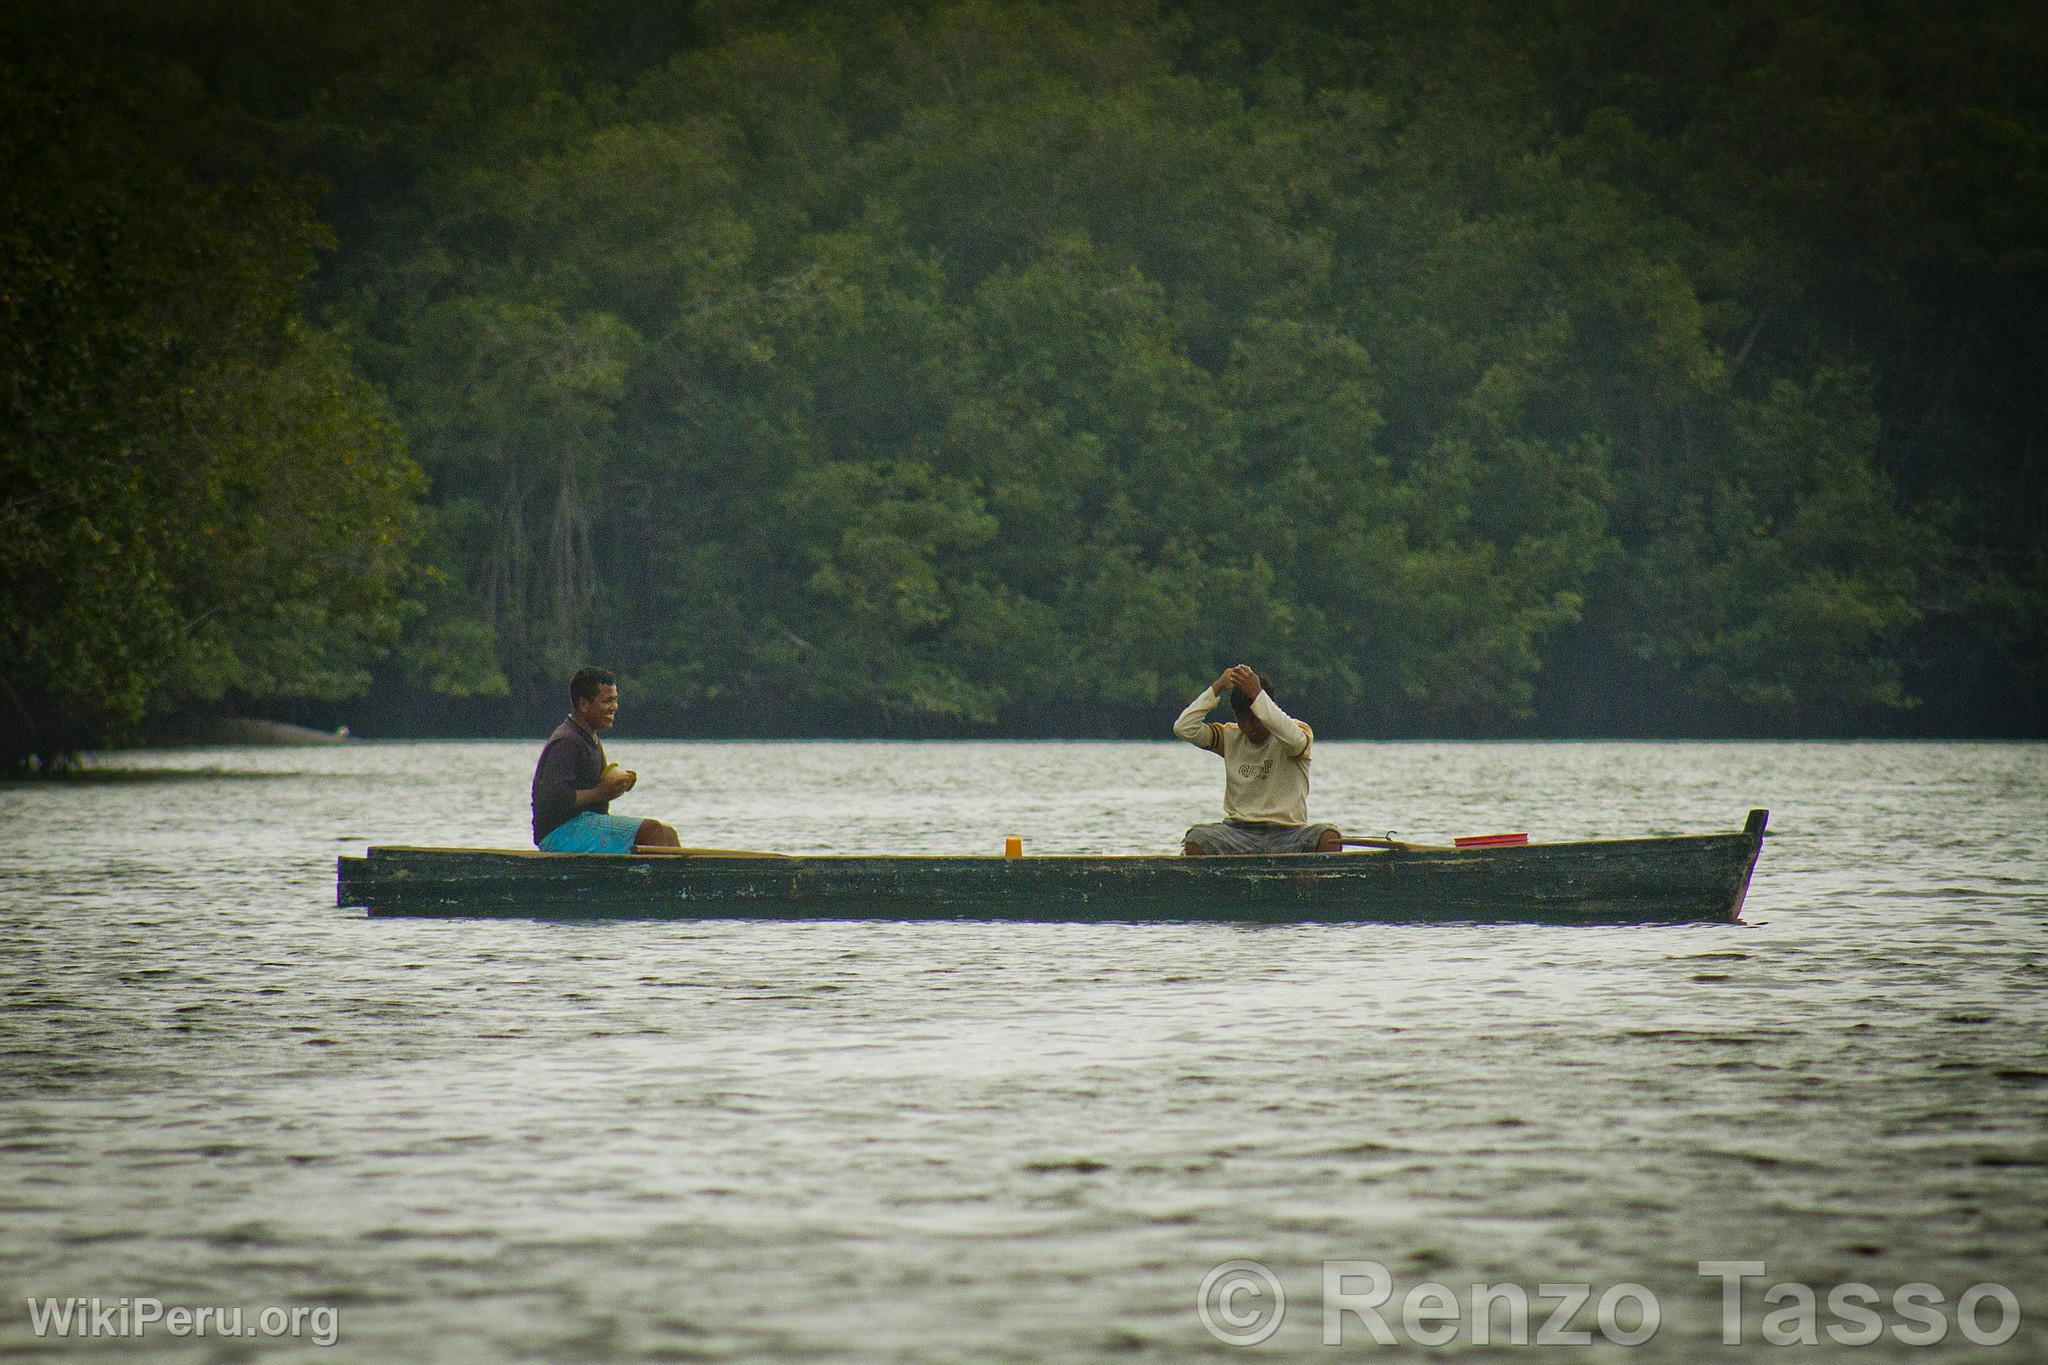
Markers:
{"x": 748, "y": 855}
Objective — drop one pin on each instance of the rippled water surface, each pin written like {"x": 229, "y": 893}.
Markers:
{"x": 484, "y": 1140}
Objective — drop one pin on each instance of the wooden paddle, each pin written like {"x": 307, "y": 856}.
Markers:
{"x": 1468, "y": 841}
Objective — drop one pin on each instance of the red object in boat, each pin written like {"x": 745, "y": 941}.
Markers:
{"x": 1490, "y": 840}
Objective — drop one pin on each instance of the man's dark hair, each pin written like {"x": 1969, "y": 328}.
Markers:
{"x": 583, "y": 687}
{"x": 1242, "y": 704}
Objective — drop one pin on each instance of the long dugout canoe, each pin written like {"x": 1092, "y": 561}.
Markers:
{"x": 1700, "y": 877}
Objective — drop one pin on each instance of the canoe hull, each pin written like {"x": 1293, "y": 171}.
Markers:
{"x": 1623, "y": 881}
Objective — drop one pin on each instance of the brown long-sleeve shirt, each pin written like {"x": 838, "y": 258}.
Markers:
{"x": 571, "y": 761}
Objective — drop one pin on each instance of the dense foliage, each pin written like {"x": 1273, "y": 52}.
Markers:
{"x": 1622, "y": 366}
{"x": 198, "y": 493}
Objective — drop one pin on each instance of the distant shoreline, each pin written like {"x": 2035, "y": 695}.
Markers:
{"x": 241, "y": 730}
{"x": 247, "y": 733}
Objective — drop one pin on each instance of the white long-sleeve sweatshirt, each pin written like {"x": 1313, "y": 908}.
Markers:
{"x": 1265, "y": 782}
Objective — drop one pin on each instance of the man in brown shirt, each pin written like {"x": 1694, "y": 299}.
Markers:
{"x": 573, "y": 787}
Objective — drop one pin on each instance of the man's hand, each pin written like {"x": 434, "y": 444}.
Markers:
{"x": 1241, "y": 676}
{"x": 1221, "y": 687}
{"x": 615, "y": 783}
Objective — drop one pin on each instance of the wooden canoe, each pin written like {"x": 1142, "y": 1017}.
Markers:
{"x": 1700, "y": 877}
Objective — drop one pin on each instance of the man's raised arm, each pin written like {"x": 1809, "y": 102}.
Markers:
{"x": 1293, "y": 738}
{"x": 1193, "y": 725}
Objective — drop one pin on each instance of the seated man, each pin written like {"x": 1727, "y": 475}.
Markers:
{"x": 573, "y": 788}
{"x": 1265, "y": 772}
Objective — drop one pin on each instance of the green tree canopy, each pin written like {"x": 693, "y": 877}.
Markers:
{"x": 1492, "y": 364}
{"x": 201, "y": 495}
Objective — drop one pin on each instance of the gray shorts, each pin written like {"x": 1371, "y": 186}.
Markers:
{"x": 1248, "y": 836}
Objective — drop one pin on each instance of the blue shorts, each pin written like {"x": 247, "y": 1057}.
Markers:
{"x": 592, "y": 832}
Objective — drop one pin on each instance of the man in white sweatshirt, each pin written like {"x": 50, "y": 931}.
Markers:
{"x": 1265, "y": 772}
